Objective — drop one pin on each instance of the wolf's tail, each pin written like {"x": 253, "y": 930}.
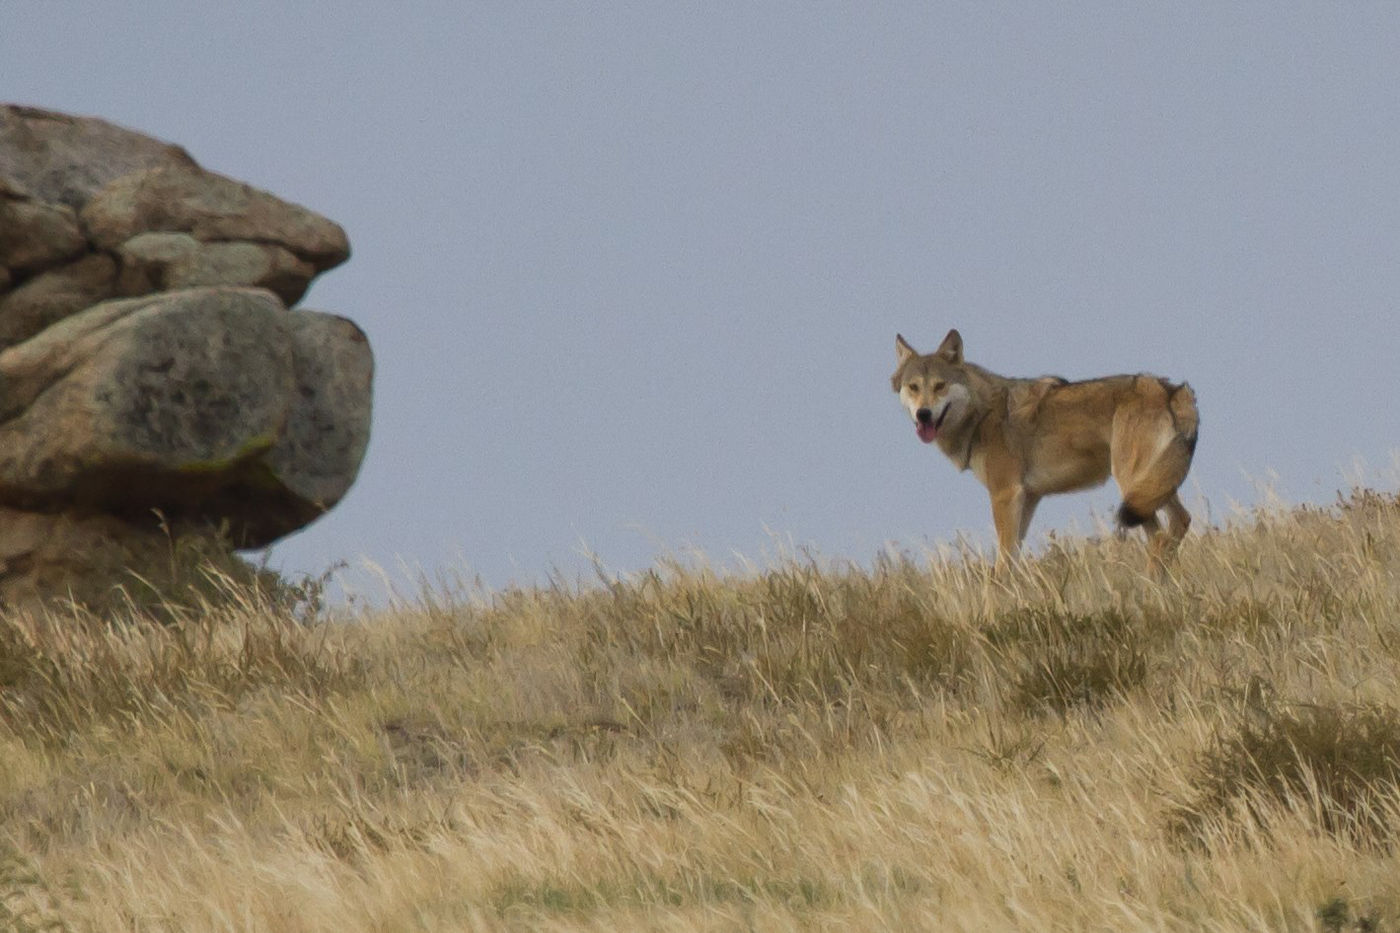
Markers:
{"x": 1181, "y": 402}
{"x": 1128, "y": 517}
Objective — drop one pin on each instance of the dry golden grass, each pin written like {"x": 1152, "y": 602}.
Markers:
{"x": 921, "y": 746}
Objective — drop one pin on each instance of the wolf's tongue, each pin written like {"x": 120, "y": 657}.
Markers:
{"x": 928, "y": 433}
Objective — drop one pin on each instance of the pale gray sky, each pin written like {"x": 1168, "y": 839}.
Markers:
{"x": 632, "y": 272}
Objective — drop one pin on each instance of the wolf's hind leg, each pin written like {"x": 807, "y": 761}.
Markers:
{"x": 1156, "y": 542}
{"x": 1164, "y": 542}
{"x": 1178, "y": 520}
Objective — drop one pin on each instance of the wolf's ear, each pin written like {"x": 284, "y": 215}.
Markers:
{"x": 951, "y": 348}
{"x": 902, "y": 350}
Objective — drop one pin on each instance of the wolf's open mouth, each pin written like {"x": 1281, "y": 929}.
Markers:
{"x": 928, "y": 431}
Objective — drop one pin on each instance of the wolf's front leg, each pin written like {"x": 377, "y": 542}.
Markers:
{"x": 1009, "y": 513}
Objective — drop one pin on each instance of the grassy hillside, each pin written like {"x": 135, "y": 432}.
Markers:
{"x": 918, "y": 747}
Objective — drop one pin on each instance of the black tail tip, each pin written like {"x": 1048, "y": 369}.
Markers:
{"x": 1129, "y": 518}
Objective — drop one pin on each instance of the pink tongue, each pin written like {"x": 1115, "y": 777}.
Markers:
{"x": 927, "y": 433}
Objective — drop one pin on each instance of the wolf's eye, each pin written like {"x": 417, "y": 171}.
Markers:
{"x": 939, "y": 386}
{"x": 913, "y": 387}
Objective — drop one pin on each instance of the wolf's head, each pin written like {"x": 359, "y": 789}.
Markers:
{"x": 934, "y": 388}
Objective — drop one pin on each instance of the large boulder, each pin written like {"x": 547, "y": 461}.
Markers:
{"x": 214, "y": 404}
{"x": 35, "y": 234}
{"x": 76, "y": 187}
{"x": 209, "y": 207}
{"x": 157, "y": 261}
{"x": 57, "y": 158}
{"x": 54, "y": 294}
{"x": 151, "y": 372}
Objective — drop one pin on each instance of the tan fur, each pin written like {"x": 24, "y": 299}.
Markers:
{"x": 1029, "y": 438}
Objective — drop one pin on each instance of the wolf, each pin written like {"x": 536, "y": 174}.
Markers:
{"x": 1029, "y": 438}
